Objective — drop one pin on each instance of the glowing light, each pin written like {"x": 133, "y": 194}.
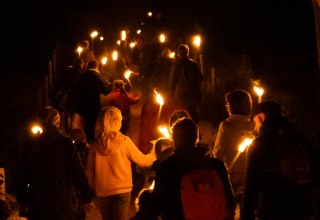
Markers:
{"x": 139, "y": 31}
{"x": 104, "y": 60}
{"x": 159, "y": 98}
{"x": 115, "y": 55}
{"x": 152, "y": 185}
{"x": 123, "y": 35}
{"x": 36, "y": 129}
{"x": 79, "y": 50}
{"x": 132, "y": 45}
{"x": 149, "y": 14}
{"x": 127, "y": 74}
{"x": 197, "y": 41}
{"x": 118, "y": 42}
{"x": 244, "y": 144}
{"x": 162, "y": 38}
{"x": 94, "y": 34}
{"x": 259, "y": 91}
{"x": 101, "y": 38}
{"x": 172, "y": 55}
{"x": 164, "y": 130}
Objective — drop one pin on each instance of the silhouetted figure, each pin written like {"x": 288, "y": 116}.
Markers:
{"x": 87, "y": 55}
{"x": 187, "y": 158}
{"x": 79, "y": 138}
{"x": 160, "y": 78}
{"x": 185, "y": 81}
{"x": 146, "y": 60}
{"x": 145, "y": 200}
{"x": 282, "y": 169}
{"x": 64, "y": 99}
{"x": 50, "y": 173}
{"x": 88, "y": 90}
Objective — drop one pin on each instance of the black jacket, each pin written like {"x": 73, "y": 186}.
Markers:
{"x": 267, "y": 195}
{"x": 168, "y": 180}
{"x": 51, "y": 172}
{"x": 88, "y": 90}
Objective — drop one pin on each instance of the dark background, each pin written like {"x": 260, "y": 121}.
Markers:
{"x": 270, "y": 40}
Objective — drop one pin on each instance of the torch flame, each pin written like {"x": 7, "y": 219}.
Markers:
{"x": 123, "y": 35}
{"x": 127, "y": 74}
{"x": 94, "y": 34}
{"x": 244, "y": 144}
{"x": 197, "y": 41}
{"x": 36, "y": 129}
{"x": 152, "y": 185}
{"x": 132, "y": 45}
{"x": 159, "y": 98}
{"x": 164, "y": 130}
{"x": 79, "y": 50}
{"x": 162, "y": 38}
{"x": 171, "y": 55}
{"x": 258, "y": 90}
{"x": 115, "y": 55}
{"x": 104, "y": 60}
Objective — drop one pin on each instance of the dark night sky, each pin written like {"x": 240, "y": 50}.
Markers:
{"x": 263, "y": 29}
{"x": 278, "y": 36}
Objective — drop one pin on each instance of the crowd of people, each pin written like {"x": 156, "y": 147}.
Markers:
{"x": 84, "y": 158}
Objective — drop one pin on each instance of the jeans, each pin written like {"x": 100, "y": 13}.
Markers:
{"x": 114, "y": 207}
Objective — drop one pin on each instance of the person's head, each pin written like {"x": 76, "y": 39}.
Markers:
{"x": 93, "y": 64}
{"x": 118, "y": 84}
{"x": 161, "y": 146}
{"x": 78, "y": 135}
{"x": 109, "y": 120}
{"x": 177, "y": 115}
{"x": 165, "y": 52}
{"x": 85, "y": 44}
{"x": 264, "y": 110}
{"x": 185, "y": 133}
{"x": 49, "y": 116}
{"x": 183, "y": 50}
{"x": 238, "y": 102}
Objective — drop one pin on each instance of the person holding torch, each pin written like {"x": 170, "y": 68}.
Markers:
{"x": 86, "y": 54}
{"x": 231, "y": 133}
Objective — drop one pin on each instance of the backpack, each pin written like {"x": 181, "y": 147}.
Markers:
{"x": 203, "y": 195}
{"x": 293, "y": 164}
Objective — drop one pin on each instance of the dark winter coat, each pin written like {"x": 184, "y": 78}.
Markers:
{"x": 185, "y": 80}
{"x": 267, "y": 195}
{"x": 50, "y": 175}
{"x": 88, "y": 90}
